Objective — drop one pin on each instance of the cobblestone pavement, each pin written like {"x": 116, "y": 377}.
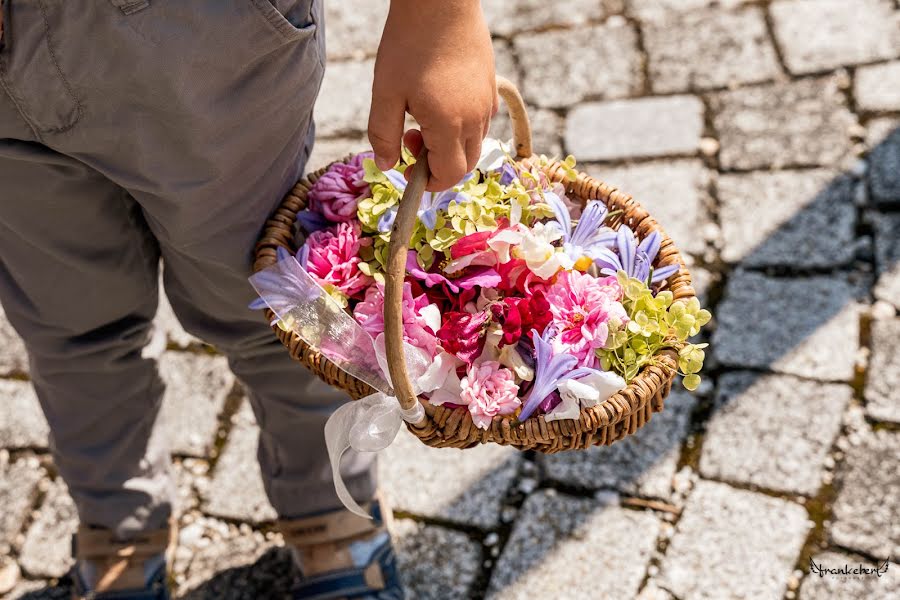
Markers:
{"x": 763, "y": 135}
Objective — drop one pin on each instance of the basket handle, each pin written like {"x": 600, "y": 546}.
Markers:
{"x": 402, "y": 231}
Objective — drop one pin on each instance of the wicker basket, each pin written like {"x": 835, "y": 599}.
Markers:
{"x": 620, "y": 415}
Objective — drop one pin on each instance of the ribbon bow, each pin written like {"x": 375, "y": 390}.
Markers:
{"x": 367, "y": 425}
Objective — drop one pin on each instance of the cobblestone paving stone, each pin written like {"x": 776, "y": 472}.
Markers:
{"x": 867, "y": 509}
{"x": 710, "y": 49}
{"x": 556, "y": 534}
{"x": 644, "y": 127}
{"x": 509, "y": 17}
{"x": 879, "y": 128}
{"x": 415, "y": 480}
{"x": 814, "y": 313}
{"x": 683, "y": 214}
{"x": 877, "y": 87}
{"x": 887, "y": 258}
{"x": 48, "y": 542}
{"x": 884, "y": 170}
{"x": 436, "y": 562}
{"x": 18, "y": 488}
{"x": 783, "y": 124}
{"x": 13, "y": 359}
{"x": 816, "y": 35}
{"x": 196, "y": 387}
{"x": 750, "y": 533}
{"x": 765, "y": 136}
{"x": 642, "y": 465}
{"x": 758, "y": 413}
{"x": 840, "y": 587}
{"x": 236, "y": 490}
{"x": 799, "y": 218}
{"x": 883, "y": 385}
{"x": 577, "y": 52}
{"x": 22, "y": 424}
{"x": 354, "y": 27}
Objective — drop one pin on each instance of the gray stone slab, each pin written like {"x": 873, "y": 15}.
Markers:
{"x": 887, "y": 257}
{"x": 731, "y": 543}
{"x": 168, "y": 323}
{"x": 327, "y": 151}
{"x": 877, "y": 87}
{"x": 801, "y": 123}
{"x": 642, "y": 464}
{"x": 818, "y": 35}
{"x": 883, "y": 380}
{"x": 655, "y": 10}
{"x": 828, "y": 586}
{"x": 354, "y": 27}
{"x": 22, "y": 423}
{"x": 344, "y": 99}
{"x": 546, "y": 129}
{"x": 505, "y": 62}
{"x": 773, "y": 431}
{"x": 884, "y": 170}
{"x": 879, "y": 128}
{"x": 801, "y": 219}
{"x": 805, "y": 326}
{"x": 511, "y": 17}
{"x": 577, "y": 53}
{"x": 462, "y": 486}
{"x": 645, "y": 127}
{"x": 214, "y": 559}
{"x": 866, "y": 512}
{"x": 706, "y": 49}
{"x": 562, "y": 547}
{"x": 48, "y": 543}
{"x": 196, "y": 387}
{"x": 18, "y": 489}
{"x": 674, "y": 191}
{"x": 30, "y": 589}
{"x": 13, "y": 358}
{"x": 236, "y": 490}
{"x": 435, "y": 563}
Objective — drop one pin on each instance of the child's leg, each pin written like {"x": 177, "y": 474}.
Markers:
{"x": 78, "y": 281}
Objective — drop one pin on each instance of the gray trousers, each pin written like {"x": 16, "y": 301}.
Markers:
{"x": 136, "y": 131}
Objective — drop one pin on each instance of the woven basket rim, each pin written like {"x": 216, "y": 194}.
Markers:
{"x": 653, "y": 381}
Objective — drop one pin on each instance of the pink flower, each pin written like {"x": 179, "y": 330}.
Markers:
{"x": 421, "y": 319}
{"x": 332, "y": 257}
{"x": 489, "y": 390}
{"x": 582, "y": 306}
{"x": 337, "y": 192}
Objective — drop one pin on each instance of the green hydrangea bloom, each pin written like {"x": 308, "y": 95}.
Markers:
{"x": 655, "y": 322}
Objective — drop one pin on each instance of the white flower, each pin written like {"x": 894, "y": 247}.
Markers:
{"x": 587, "y": 391}
{"x": 493, "y": 153}
{"x": 535, "y": 246}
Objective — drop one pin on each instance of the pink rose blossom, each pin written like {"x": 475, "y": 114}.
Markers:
{"x": 489, "y": 390}
{"x": 582, "y": 306}
{"x": 421, "y": 319}
{"x": 332, "y": 257}
{"x": 336, "y": 194}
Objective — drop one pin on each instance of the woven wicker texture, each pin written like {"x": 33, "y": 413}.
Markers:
{"x": 612, "y": 420}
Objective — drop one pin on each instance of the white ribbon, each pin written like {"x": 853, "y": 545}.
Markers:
{"x": 367, "y": 425}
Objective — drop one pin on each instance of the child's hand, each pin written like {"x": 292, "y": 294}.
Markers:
{"x": 435, "y": 61}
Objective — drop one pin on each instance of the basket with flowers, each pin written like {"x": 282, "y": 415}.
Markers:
{"x": 529, "y": 305}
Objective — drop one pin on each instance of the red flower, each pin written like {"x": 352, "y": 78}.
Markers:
{"x": 462, "y": 334}
{"x": 518, "y": 316}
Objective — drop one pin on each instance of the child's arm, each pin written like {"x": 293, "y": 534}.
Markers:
{"x": 435, "y": 61}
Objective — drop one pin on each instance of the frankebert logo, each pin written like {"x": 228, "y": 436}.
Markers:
{"x": 856, "y": 571}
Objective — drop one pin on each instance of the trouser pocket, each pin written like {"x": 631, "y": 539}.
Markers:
{"x": 30, "y": 69}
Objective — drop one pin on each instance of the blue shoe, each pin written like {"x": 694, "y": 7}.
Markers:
{"x": 341, "y": 555}
{"x": 110, "y": 569}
